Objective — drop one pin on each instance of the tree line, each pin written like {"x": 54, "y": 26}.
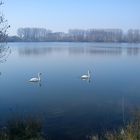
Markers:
{"x": 77, "y": 35}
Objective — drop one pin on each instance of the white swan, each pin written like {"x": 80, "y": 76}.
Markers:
{"x": 36, "y": 79}
{"x": 86, "y": 76}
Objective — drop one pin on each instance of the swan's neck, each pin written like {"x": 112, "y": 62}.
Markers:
{"x": 88, "y": 74}
{"x": 39, "y": 77}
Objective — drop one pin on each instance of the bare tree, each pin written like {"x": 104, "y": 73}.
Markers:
{"x": 4, "y": 49}
{"x": 3, "y": 26}
{"x": 33, "y": 34}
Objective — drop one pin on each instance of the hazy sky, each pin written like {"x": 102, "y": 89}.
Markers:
{"x": 61, "y": 15}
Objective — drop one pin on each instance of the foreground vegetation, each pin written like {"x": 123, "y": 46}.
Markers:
{"x": 129, "y": 132}
{"x": 22, "y": 130}
{"x": 32, "y": 129}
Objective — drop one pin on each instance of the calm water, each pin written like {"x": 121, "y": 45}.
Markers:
{"x": 70, "y": 107}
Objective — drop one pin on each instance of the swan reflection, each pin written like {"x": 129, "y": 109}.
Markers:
{"x": 36, "y": 83}
{"x": 87, "y": 80}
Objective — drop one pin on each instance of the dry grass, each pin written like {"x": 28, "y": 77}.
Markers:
{"x": 130, "y": 132}
{"x": 22, "y": 130}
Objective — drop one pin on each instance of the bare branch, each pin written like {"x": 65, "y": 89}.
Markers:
{"x": 4, "y": 49}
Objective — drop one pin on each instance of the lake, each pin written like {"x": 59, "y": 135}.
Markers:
{"x": 71, "y": 108}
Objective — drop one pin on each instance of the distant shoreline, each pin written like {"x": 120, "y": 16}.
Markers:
{"x": 71, "y": 42}
{"x": 76, "y": 35}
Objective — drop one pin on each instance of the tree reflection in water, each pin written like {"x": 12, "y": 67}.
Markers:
{"x": 5, "y": 51}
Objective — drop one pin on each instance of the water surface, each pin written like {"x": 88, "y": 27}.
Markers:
{"x": 70, "y": 107}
